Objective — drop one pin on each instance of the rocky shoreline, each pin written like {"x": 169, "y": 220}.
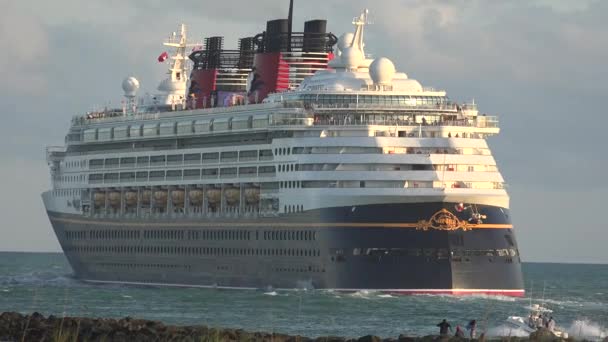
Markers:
{"x": 36, "y": 327}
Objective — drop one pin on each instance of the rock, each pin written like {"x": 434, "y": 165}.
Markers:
{"x": 543, "y": 334}
{"x": 120, "y": 336}
{"x": 403, "y": 338}
{"x": 432, "y": 338}
{"x": 369, "y": 338}
{"x": 330, "y": 339}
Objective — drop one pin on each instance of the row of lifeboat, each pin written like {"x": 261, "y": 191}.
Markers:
{"x": 195, "y": 196}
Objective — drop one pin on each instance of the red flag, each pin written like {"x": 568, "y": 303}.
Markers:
{"x": 163, "y": 56}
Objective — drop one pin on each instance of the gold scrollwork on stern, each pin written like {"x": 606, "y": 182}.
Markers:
{"x": 443, "y": 220}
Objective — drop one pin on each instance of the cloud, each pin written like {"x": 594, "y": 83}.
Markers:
{"x": 25, "y": 53}
{"x": 25, "y": 226}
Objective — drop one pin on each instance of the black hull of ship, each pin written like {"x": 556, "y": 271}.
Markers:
{"x": 394, "y": 248}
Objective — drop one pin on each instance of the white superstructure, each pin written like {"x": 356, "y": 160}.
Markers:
{"x": 360, "y": 133}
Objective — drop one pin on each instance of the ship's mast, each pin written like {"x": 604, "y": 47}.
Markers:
{"x": 359, "y": 23}
{"x": 179, "y": 68}
{"x": 174, "y": 87}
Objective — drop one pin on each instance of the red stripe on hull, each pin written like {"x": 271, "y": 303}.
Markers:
{"x": 452, "y": 292}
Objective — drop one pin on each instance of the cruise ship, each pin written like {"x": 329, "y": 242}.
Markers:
{"x": 295, "y": 161}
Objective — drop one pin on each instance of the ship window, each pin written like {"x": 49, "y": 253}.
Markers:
{"x": 192, "y": 174}
{"x": 112, "y": 162}
{"x": 111, "y": 177}
{"x": 127, "y": 176}
{"x": 248, "y": 155}
{"x": 211, "y": 157}
{"x": 174, "y": 175}
{"x": 127, "y": 162}
{"x": 193, "y": 158}
{"x": 157, "y": 160}
{"x": 265, "y": 154}
{"x": 247, "y": 171}
{"x": 143, "y": 161}
{"x": 228, "y": 172}
{"x": 141, "y": 176}
{"x": 229, "y": 156}
{"x": 96, "y": 164}
{"x": 210, "y": 173}
{"x": 157, "y": 175}
{"x": 175, "y": 159}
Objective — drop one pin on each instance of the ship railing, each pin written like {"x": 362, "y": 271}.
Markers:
{"x": 451, "y": 107}
{"x": 356, "y": 120}
{"x": 364, "y": 120}
{"x": 150, "y": 113}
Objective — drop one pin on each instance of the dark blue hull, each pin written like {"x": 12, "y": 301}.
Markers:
{"x": 407, "y": 248}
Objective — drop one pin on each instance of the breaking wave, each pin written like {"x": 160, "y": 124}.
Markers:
{"x": 587, "y": 329}
{"x": 40, "y": 278}
{"x": 504, "y": 330}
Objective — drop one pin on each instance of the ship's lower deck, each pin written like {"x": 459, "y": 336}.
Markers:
{"x": 401, "y": 248}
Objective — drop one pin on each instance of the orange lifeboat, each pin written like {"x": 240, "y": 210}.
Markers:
{"x": 252, "y": 195}
{"x": 145, "y": 197}
{"x": 177, "y": 197}
{"x": 160, "y": 198}
{"x": 114, "y": 198}
{"x": 196, "y": 197}
{"x": 232, "y": 195}
{"x": 100, "y": 199}
{"x": 131, "y": 198}
{"x": 214, "y": 196}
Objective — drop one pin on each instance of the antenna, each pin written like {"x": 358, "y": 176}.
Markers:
{"x": 290, "y": 24}
{"x": 359, "y": 23}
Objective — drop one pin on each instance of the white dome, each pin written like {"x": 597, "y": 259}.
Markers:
{"x": 130, "y": 86}
{"x": 352, "y": 58}
{"x": 345, "y": 40}
{"x": 382, "y": 71}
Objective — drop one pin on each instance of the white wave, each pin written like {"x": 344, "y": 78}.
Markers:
{"x": 5, "y": 290}
{"x": 563, "y": 302}
{"x": 271, "y": 293}
{"x": 126, "y": 296}
{"x": 504, "y": 330}
{"x": 365, "y": 294}
{"x": 500, "y": 298}
{"x": 385, "y": 296}
{"x": 587, "y": 329}
{"x": 46, "y": 278}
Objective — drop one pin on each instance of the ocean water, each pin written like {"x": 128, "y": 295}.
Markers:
{"x": 578, "y": 295}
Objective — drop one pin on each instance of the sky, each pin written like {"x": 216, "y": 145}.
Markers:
{"x": 540, "y": 65}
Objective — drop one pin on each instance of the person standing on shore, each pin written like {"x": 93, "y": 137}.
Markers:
{"x": 472, "y": 328}
{"x": 444, "y": 326}
{"x": 551, "y": 324}
{"x": 459, "y": 332}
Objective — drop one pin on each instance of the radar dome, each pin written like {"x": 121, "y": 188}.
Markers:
{"x": 345, "y": 41}
{"x": 352, "y": 57}
{"x": 382, "y": 71}
{"x": 130, "y": 86}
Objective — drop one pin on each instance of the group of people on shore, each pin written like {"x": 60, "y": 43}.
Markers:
{"x": 445, "y": 328}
